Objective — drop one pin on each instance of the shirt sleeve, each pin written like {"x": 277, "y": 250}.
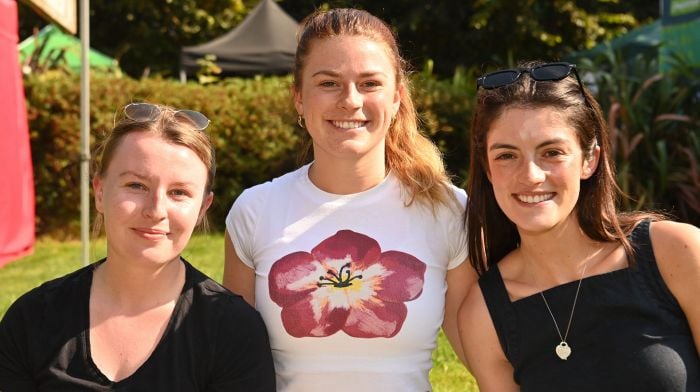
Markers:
{"x": 241, "y": 223}
{"x": 15, "y": 369}
{"x": 457, "y": 233}
{"x": 243, "y": 356}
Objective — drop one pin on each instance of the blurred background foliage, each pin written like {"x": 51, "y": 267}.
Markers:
{"x": 654, "y": 123}
{"x": 654, "y": 117}
{"x": 146, "y": 36}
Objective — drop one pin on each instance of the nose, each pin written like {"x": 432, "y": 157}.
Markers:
{"x": 155, "y": 206}
{"x": 351, "y": 98}
{"x": 532, "y": 173}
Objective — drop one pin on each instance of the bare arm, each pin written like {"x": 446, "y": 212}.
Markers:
{"x": 459, "y": 280}
{"x": 484, "y": 355}
{"x": 677, "y": 249}
{"x": 238, "y": 277}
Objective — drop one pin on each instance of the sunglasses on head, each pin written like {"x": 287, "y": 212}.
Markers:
{"x": 149, "y": 112}
{"x": 542, "y": 72}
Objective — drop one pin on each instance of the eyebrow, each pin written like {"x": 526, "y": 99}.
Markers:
{"x": 512, "y": 147}
{"x": 336, "y": 74}
{"x": 132, "y": 173}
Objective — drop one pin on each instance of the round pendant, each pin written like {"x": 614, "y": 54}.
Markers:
{"x": 563, "y": 350}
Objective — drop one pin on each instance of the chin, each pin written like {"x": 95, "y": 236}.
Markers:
{"x": 537, "y": 225}
{"x": 159, "y": 256}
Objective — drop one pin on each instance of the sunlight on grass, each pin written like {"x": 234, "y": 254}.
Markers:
{"x": 52, "y": 259}
{"x": 448, "y": 373}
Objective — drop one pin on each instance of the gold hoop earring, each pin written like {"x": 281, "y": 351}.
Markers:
{"x": 301, "y": 122}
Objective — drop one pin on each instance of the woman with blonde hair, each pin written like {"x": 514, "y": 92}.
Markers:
{"x": 143, "y": 318}
{"x": 356, "y": 259}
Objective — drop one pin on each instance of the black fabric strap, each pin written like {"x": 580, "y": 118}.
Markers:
{"x": 502, "y": 312}
{"x": 644, "y": 262}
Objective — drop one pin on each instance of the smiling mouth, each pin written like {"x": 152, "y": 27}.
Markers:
{"x": 532, "y": 199}
{"x": 349, "y": 124}
{"x": 150, "y": 233}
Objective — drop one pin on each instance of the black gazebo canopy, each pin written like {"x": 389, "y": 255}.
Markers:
{"x": 264, "y": 43}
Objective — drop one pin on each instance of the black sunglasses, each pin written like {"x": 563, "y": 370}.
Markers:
{"x": 542, "y": 72}
{"x": 149, "y": 112}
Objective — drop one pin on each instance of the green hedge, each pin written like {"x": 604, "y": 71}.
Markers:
{"x": 253, "y": 128}
{"x": 654, "y": 118}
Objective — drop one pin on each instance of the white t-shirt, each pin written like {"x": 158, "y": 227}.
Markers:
{"x": 351, "y": 287}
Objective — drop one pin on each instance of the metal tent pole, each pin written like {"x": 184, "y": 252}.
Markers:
{"x": 85, "y": 130}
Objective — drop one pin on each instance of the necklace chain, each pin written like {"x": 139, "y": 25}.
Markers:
{"x": 571, "y": 317}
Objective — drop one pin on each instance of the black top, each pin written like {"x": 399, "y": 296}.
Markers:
{"x": 628, "y": 331}
{"x": 214, "y": 341}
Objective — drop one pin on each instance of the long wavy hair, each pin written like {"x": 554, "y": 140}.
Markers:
{"x": 410, "y": 155}
{"x": 490, "y": 234}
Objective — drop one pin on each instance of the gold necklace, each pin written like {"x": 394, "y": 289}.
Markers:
{"x": 563, "y": 350}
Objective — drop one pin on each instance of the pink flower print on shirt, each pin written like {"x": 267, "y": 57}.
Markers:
{"x": 346, "y": 283}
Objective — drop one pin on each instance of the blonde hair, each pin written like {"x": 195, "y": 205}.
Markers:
{"x": 171, "y": 128}
{"x": 410, "y": 155}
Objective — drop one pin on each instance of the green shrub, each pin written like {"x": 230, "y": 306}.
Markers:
{"x": 445, "y": 108}
{"x": 654, "y": 122}
{"x": 253, "y": 129}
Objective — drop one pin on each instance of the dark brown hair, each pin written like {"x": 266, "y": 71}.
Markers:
{"x": 491, "y": 235}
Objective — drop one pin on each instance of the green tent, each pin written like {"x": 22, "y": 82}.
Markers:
{"x": 56, "y": 47}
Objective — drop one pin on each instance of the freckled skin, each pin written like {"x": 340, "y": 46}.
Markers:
{"x": 348, "y": 78}
{"x": 151, "y": 198}
{"x": 534, "y": 155}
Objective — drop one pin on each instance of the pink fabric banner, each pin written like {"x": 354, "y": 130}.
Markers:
{"x": 16, "y": 177}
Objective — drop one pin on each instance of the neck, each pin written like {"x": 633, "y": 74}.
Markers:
{"x": 559, "y": 255}
{"x": 135, "y": 288}
{"x": 344, "y": 177}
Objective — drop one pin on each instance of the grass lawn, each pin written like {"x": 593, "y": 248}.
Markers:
{"x": 52, "y": 259}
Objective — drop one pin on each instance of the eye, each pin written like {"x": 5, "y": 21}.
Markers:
{"x": 371, "y": 84}
{"x": 180, "y": 193}
{"x": 553, "y": 153}
{"x": 504, "y": 156}
{"x": 328, "y": 83}
{"x": 135, "y": 186}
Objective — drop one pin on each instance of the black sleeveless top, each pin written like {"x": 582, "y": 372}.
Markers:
{"x": 628, "y": 331}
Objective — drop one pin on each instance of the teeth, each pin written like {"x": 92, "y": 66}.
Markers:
{"x": 348, "y": 124}
{"x": 536, "y": 198}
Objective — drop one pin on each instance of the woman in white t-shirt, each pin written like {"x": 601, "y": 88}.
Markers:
{"x": 355, "y": 260}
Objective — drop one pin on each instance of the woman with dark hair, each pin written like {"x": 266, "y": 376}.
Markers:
{"x": 353, "y": 259}
{"x": 573, "y": 295}
{"x": 143, "y": 318}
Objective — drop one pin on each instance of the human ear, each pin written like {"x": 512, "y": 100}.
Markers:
{"x": 206, "y": 203}
{"x": 298, "y": 103}
{"x": 400, "y": 90}
{"x": 98, "y": 190}
{"x": 591, "y": 163}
